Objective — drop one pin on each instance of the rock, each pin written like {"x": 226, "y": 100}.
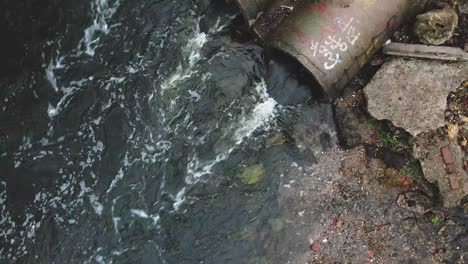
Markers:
{"x": 437, "y": 26}
{"x": 412, "y": 94}
{"x": 442, "y": 163}
{"x": 252, "y": 174}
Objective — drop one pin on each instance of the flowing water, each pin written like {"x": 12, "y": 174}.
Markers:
{"x": 151, "y": 117}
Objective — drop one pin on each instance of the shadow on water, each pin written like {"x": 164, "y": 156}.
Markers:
{"x": 149, "y": 137}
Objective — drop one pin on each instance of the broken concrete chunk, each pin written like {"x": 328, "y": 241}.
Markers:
{"x": 437, "y": 26}
{"x": 412, "y": 94}
{"x": 433, "y": 155}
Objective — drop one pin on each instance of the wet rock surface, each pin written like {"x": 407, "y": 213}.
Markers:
{"x": 412, "y": 94}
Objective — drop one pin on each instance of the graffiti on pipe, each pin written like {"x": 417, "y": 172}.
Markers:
{"x": 332, "y": 47}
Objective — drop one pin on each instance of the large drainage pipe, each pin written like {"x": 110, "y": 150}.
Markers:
{"x": 333, "y": 39}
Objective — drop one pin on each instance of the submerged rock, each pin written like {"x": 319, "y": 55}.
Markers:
{"x": 437, "y": 26}
{"x": 252, "y": 174}
{"x": 412, "y": 94}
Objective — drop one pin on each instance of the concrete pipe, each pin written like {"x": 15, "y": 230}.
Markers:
{"x": 333, "y": 39}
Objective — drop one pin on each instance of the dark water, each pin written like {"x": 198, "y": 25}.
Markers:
{"x": 152, "y": 111}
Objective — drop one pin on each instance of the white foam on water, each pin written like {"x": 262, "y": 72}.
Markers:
{"x": 103, "y": 11}
{"x": 193, "y": 50}
{"x": 115, "y": 219}
{"x": 155, "y": 219}
{"x": 194, "y": 95}
{"x": 260, "y": 117}
{"x": 50, "y": 74}
{"x": 139, "y": 213}
{"x": 179, "y": 199}
{"x": 22, "y": 234}
{"x": 97, "y": 206}
{"x": 196, "y": 170}
{"x": 120, "y": 174}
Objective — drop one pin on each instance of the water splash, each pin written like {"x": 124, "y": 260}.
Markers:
{"x": 261, "y": 116}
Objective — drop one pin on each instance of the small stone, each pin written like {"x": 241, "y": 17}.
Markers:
{"x": 454, "y": 182}
{"x": 446, "y": 155}
{"x": 465, "y": 187}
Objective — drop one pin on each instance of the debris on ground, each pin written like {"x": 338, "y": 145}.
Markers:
{"x": 402, "y": 193}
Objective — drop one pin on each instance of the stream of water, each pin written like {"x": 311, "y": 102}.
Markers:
{"x": 153, "y": 116}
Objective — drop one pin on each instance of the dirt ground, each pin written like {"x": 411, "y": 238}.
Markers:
{"x": 368, "y": 201}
